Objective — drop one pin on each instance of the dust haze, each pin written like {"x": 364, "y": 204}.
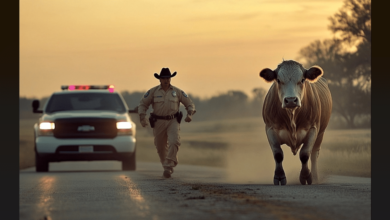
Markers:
{"x": 240, "y": 146}
{"x": 247, "y": 156}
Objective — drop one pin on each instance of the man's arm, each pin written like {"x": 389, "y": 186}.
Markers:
{"x": 190, "y": 106}
{"x": 143, "y": 107}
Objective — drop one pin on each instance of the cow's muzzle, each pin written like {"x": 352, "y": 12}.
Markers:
{"x": 291, "y": 102}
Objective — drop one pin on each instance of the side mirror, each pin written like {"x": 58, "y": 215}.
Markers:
{"x": 134, "y": 110}
{"x": 35, "y": 106}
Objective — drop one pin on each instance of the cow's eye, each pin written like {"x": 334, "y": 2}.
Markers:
{"x": 278, "y": 80}
{"x": 303, "y": 80}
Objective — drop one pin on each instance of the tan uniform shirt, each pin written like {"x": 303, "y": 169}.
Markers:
{"x": 165, "y": 102}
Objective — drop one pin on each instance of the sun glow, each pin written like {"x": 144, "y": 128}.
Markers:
{"x": 127, "y": 41}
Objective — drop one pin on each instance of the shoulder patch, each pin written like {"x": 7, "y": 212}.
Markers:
{"x": 185, "y": 95}
{"x": 147, "y": 93}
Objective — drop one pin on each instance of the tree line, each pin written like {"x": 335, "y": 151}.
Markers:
{"x": 231, "y": 104}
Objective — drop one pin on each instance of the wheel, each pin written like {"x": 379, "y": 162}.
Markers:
{"x": 129, "y": 163}
{"x": 41, "y": 165}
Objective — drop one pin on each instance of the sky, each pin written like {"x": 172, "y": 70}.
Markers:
{"x": 213, "y": 45}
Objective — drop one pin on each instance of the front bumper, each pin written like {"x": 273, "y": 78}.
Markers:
{"x": 51, "y": 145}
{"x": 57, "y": 157}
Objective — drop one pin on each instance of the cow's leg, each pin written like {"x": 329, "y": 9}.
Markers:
{"x": 304, "y": 155}
{"x": 279, "y": 176}
{"x": 314, "y": 156}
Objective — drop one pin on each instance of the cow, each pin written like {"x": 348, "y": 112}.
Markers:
{"x": 296, "y": 112}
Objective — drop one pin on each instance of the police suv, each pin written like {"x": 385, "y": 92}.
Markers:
{"x": 84, "y": 123}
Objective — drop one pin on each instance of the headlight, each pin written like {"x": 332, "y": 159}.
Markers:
{"x": 46, "y": 128}
{"x": 125, "y": 128}
{"x": 123, "y": 125}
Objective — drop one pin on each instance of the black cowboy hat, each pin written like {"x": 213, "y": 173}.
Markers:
{"x": 165, "y": 73}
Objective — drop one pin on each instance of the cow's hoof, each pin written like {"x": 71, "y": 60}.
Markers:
{"x": 304, "y": 179}
{"x": 282, "y": 181}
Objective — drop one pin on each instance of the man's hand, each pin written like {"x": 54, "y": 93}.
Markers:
{"x": 143, "y": 120}
{"x": 188, "y": 118}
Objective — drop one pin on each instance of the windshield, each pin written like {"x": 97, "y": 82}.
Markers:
{"x": 85, "y": 101}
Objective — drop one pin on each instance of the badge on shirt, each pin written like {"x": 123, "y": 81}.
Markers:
{"x": 185, "y": 95}
{"x": 174, "y": 93}
{"x": 147, "y": 94}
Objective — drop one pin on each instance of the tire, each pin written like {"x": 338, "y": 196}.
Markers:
{"x": 41, "y": 165}
{"x": 129, "y": 163}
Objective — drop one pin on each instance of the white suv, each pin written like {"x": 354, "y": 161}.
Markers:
{"x": 84, "y": 123}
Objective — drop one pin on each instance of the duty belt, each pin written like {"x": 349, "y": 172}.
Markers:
{"x": 167, "y": 117}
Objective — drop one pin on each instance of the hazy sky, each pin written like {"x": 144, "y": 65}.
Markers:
{"x": 214, "y": 45}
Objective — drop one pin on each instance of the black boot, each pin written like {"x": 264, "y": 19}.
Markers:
{"x": 167, "y": 172}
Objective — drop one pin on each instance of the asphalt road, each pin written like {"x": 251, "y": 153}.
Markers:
{"x": 100, "y": 190}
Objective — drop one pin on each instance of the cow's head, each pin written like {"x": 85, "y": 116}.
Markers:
{"x": 290, "y": 79}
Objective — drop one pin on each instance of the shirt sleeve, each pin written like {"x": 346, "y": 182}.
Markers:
{"x": 145, "y": 102}
{"x": 187, "y": 102}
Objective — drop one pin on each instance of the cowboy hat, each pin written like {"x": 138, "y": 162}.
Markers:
{"x": 165, "y": 73}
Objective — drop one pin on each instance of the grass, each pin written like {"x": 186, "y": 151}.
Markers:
{"x": 346, "y": 152}
{"x": 26, "y": 143}
{"x": 241, "y": 146}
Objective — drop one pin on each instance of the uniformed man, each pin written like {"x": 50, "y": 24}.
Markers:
{"x": 165, "y": 118}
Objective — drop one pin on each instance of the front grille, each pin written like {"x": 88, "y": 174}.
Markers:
{"x": 75, "y": 149}
{"x": 85, "y": 128}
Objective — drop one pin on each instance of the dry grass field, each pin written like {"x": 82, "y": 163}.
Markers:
{"x": 26, "y": 143}
{"x": 248, "y": 157}
{"x": 241, "y": 146}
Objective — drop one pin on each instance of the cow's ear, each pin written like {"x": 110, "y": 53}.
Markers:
{"x": 268, "y": 75}
{"x": 313, "y": 74}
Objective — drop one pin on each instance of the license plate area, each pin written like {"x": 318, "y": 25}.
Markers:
{"x": 86, "y": 149}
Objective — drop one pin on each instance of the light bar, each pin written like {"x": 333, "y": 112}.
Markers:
{"x": 88, "y": 87}
{"x": 111, "y": 88}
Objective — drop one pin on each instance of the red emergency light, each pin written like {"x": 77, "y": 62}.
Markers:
{"x": 88, "y": 87}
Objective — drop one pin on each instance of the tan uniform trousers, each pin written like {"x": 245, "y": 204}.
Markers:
{"x": 167, "y": 141}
